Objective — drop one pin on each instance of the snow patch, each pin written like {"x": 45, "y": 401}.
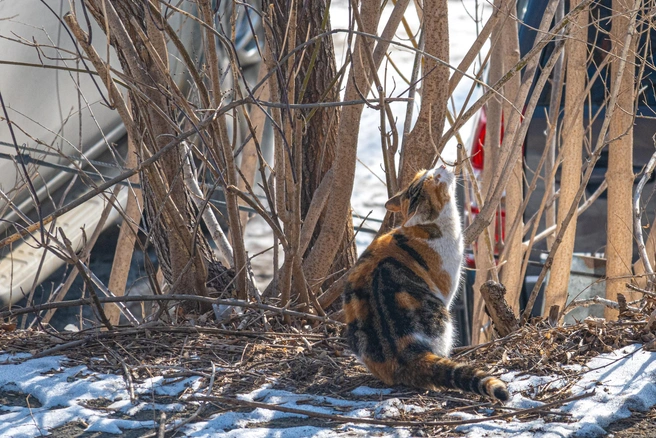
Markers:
{"x": 64, "y": 394}
{"x": 365, "y": 391}
{"x": 621, "y": 381}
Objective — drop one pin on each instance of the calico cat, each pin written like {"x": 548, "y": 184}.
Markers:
{"x": 398, "y": 294}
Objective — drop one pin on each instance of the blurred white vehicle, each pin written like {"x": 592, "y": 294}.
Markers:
{"x": 62, "y": 124}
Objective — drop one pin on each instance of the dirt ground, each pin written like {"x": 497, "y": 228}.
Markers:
{"x": 314, "y": 360}
{"x": 639, "y": 425}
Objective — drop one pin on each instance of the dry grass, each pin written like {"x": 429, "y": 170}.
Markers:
{"x": 542, "y": 349}
{"x": 315, "y": 360}
{"x": 257, "y": 347}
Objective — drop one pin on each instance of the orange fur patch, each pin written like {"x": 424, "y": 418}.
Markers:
{"x": 406, "y": 301}
{"x": 382, "y": 248}
{"x": 442, "y": 281}
{"x": 355, "y": 309}
{"x": 416, "y": 233}
{"x": 493, "y": 384}
{"x": 360, "y": 275}
{"x": 440, "y": 196}
{"x": 383, "y": 370}
{"x": 403, "y": 342}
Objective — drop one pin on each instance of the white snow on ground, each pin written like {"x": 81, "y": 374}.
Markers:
{"x": 63, "y": 391}
{"x": 232, "y": 424}
{"x": 621, "y": 380}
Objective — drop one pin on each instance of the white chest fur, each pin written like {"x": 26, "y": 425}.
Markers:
{"x": 449, "y": 246}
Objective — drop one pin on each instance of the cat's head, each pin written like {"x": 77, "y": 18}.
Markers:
{"x": 425, "y": 197}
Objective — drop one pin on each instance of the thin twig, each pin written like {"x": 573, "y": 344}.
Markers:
{"x": 74, "y": 259}
{"x": 637, "y": 224}
{"x": 161, "y": 431}
{"x": 175, "y": 297}
{"x": 642, "y": 291}
{"x": 224, "y": 248}
{"x": 176, "y": 426}
{"x": 390, "y": 423}
{"x": 595, "y": 300}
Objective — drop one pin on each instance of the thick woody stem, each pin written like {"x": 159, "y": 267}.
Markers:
{"x": 318, "y": 262}
{"x": 503, "y": 317}
{"x": 229, "y": 171}
{"x": 601, "y": 142}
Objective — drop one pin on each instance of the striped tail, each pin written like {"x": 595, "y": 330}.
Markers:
{"x": 429, "y": 371}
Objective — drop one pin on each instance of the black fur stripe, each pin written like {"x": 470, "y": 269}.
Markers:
{"x": 415, "y": 195}
{"x": 460, "y": 378}
{"x": 384, "y": 278}
{"x": 402, "y": 242}
{"x": 433, "y": 231}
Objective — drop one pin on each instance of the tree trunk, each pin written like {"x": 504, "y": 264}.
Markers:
{"x": 310, "y": 82}
{"x": 572, "y": 144}
{"x": 126, "y": 239}
{"x": 315, "y": 81}
{"x": 482, "y": 256}
{"x": 619, "y": 247}
{"x": 317, "y": 263}
{"x": 182, "y": 250}
{"x": 222, "y": 149}
{"x": 512, "y": 268}
{"x": 419, "y": 148}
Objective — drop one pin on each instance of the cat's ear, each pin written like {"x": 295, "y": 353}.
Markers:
{"x": 394, "y": 203}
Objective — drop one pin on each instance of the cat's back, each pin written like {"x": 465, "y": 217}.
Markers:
{"x": 395, "y": 291}
{"x": 406, "y": 255}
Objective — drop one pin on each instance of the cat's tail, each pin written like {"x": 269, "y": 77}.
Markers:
{"x": 429, "y": 371}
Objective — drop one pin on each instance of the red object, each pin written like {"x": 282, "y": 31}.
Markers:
{"x": 477, "y": 154}
{"x": 477, "y": 158}
{"x": 478, "y": 161}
